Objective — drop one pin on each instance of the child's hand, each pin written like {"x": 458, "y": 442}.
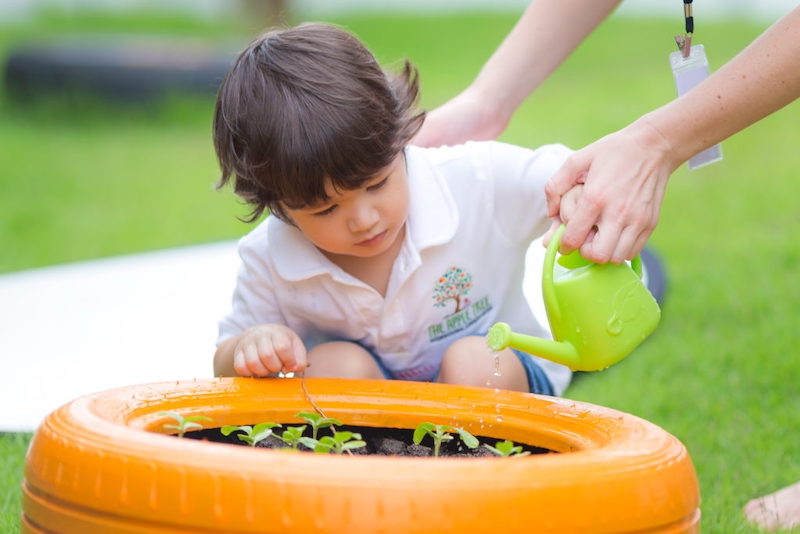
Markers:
{"x": 569, "y": 203}
{"x": 268, "y": 349}
{"x": 567, "y": 208}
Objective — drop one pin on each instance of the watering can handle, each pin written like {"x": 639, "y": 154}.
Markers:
{"x": 636, "y": 265}
{"x": 548, "y": 289}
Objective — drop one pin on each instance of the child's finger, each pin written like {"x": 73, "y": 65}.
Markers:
{"x": 267, "y": 357}
{"x": 255, "y": 361}
{"x": 569, "y": 203}
{"x": 549, "y": 234}
{"x": 283, "y": 347}
{"x": 299, "y": 349}
{"x": 247, "y": 363}
{"x": 572, "y": 172}
{"x": 239, "y": 364}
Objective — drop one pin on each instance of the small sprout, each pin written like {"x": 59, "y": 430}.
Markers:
{"x": 292, "y": 435}
{"x": 506, "y": 448}
{"x": 184, "y": 423}
{"x": 317, "y": 422}
{"x": 338, "y": 443}
{"x": 442, "y": 433}
{"x": 251, "y": 434}
{"x": 309, "y": 443}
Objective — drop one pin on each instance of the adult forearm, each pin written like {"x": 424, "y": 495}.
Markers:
{"x": 761, "y": 79}
{"x": 540, "y": 41}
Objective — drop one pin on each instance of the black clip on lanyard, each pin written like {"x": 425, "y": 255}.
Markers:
{"x": 685, "y": 41}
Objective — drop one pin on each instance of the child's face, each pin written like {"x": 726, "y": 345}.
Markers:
{"x": 363, "y": 222}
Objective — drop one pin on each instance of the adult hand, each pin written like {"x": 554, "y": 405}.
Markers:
{"x": 624, "y": 176}
{"x": 467, "y": 117}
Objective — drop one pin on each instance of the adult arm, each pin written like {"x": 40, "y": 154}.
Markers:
{"x": 625, "y": 173}
{"x": 541, "y": 40}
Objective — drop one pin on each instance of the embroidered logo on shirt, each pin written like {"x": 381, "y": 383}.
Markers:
{"x": 454, "y": 285}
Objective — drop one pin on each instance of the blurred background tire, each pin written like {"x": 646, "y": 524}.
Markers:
{"x": 121, "y": 70}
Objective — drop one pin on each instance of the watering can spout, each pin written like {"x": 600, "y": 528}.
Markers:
{"x": 501, "y": 337}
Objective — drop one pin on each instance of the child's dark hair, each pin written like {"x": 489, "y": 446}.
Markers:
{"x": 305, "y": 104}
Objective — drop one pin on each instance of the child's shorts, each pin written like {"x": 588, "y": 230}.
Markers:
{"x": 537, "y": 379}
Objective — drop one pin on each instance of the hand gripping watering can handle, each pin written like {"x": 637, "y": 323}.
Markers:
{"x": 548, "y": 289}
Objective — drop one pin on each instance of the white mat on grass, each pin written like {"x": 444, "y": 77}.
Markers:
{"x": 81, "y": 328}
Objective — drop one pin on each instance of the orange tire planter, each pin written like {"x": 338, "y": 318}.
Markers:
{"x": 100, "y": 464}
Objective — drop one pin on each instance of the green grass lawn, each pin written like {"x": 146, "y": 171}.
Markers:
{"x": 720, "y": 373}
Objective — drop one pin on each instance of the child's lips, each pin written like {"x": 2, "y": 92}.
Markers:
{"x": 372, "y": 241}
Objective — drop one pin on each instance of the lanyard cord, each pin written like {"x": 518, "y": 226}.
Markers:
{"x": 687, "y": 14}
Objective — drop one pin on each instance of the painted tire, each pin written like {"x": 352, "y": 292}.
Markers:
{"x": 100, "y": 464}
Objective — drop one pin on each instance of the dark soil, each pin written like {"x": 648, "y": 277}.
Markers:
{"x": 380, "y": 441}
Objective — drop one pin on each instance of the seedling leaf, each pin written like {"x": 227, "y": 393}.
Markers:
{"x": 183, "y": 423}
{"x": 228, "y": 429}
{"x": 250, "y": 435}
{"x": 506, "y": 448}
{"x": 468, "y": 439}
{"x": 317, "y": 421}
{"x": 421, "y": 431}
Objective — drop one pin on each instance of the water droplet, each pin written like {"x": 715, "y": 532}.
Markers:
{"x": 614, "y": 325}
{"x": 496, "y": 356}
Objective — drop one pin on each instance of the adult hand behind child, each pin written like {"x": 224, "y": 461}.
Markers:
{"x": 467, "y": 117}
{"x": 268, "y": 349}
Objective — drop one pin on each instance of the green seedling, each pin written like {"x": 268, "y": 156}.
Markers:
{"x": 184, "y": 423}
{"x": 317, "y": 422}
{"x": 338, "y": 443}
{"x": 292, "y": 435}
{"x": 441, "y": 433}
{"x": 250, "y": 434}
{"x": 506, "y": 448}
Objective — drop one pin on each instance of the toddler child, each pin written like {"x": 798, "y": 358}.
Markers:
{"x": 380, "y": 259}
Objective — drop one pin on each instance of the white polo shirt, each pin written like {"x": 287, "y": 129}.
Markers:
{"x": 474, "y": 209}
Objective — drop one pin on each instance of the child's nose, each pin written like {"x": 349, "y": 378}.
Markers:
{"x": 364, "y": 217}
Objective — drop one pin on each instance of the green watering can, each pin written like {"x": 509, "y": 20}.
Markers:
{"x": 598, "y": 313}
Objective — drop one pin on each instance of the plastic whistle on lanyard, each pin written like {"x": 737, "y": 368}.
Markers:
{"x": 690, "y": 67}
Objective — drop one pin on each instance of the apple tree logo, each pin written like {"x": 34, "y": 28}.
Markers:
{"x": 453, "y": 285}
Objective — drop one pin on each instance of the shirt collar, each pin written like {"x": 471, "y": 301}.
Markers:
{"x": 433, "y": 217}
{"x": 296, "y": 258}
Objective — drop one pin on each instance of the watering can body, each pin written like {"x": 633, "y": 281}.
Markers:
{"x": 598, "y": 313}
